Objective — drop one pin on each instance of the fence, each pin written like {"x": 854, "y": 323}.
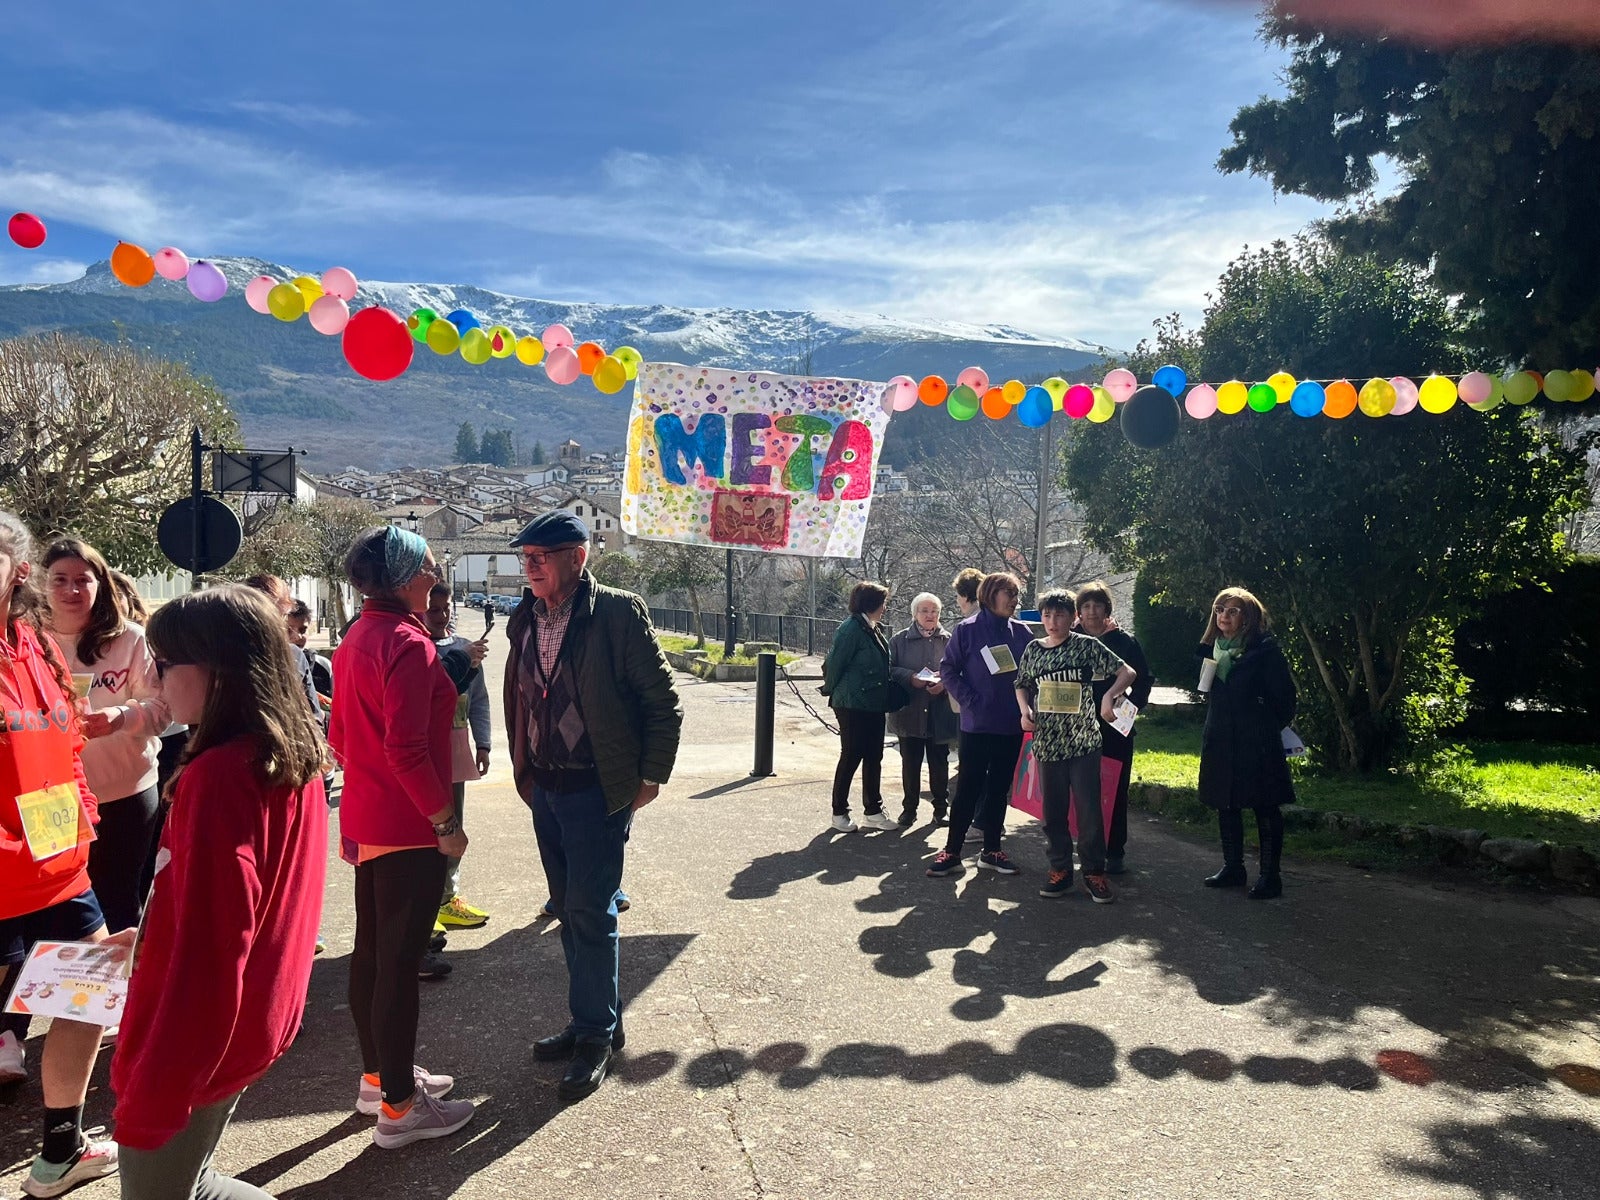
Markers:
{"x": 808, "y": 635}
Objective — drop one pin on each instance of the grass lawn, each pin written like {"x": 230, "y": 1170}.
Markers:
{"x": 1506, "y": 789}
{"x": 678, "y": 644}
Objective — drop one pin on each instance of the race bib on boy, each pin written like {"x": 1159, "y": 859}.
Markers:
{"x": 1060, "y": 696}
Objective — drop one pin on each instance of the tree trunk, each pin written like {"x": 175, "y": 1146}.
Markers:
{"x": 699, "y": 623}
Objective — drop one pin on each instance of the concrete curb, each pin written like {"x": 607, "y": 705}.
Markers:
{"x": 694, "y": 663}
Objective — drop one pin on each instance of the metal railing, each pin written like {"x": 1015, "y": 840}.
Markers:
{"x": 807, "y": 635}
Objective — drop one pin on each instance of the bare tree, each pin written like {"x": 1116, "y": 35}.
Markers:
{"x": 331, "y": 525}
{"x": 94, "y": 440}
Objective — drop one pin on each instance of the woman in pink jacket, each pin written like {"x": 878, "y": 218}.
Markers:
{"x": 393, "y": 706}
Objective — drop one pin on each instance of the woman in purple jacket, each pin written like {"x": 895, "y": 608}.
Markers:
{"x": 980, "y": 671}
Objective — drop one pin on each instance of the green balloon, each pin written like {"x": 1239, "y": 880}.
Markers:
{"x": 1521, "y": 388}
{"x": 442, "y": 337}
{"x": 476, "y": 347}
{"x": 419, "y": 322}
{"x": 962, "y": 403}
{"x": 1262, "y": 397}
{"x": 1558, "y": 386}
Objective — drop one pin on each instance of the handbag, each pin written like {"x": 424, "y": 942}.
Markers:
{"x": 898, "y": 697}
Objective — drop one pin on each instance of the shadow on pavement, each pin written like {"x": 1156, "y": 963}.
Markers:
{"x": 1509, "y": 1159}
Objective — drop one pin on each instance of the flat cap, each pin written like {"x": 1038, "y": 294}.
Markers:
{"x": 556, "y": 528}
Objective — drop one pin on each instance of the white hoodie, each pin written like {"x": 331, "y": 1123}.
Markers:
{"x": 123, "y": 763}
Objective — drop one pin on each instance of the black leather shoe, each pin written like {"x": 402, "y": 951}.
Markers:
{"x": 561, "y": 1045}
{"x": 1267, "y": 887}
{"x": 585, "y": 1072}
{"x": 1227, "y": 877}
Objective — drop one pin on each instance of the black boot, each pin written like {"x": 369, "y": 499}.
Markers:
{"x": 1269, "y": 885}
{"x": 1231, "y": 822}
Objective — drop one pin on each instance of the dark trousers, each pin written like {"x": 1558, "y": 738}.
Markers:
{"x": 1074, "y": 781}
{"x": 1117, "y": 835}
{"x": 860, "y": 745}
{"x": 1269, "y": 827}
{"x": 912, "y": 750}
{"x": 181, "y": 1170}
{"x": 118, "y": 854}
{"x": 397, "y": 899}
{"x": 987, "y": 761}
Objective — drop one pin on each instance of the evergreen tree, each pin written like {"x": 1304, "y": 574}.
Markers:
{"x": 467, "y": 449}
{"x": 537, "y": 458}
{"x": 497, "y": 448}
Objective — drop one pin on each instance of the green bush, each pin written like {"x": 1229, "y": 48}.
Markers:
{"x": 1168, "y": 634}
{"x": 1537, "y": 644}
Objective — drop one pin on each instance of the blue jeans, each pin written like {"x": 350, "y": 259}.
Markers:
{"x": 581, "y": 848}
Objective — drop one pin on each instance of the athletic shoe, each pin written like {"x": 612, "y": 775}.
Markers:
{"x": 941, "y": 814}
{"x": 369, "y": 1100}
{"x": 623, "y": 903}
{"x": 944, "y": 863}
{"x": 880, "y": 820}
{"x": 426, "y": 1118}
{"x": 998, "y": 860}
{"x": 973, "y": 834}
{"x": 844, "y": 824}
{"x": 547, "y": 911}
{"x": 13, "y": 1059}
{"x": 321, "y": 946}
{"x": 1099, "y": 890}
{"x": 458, "y": 914}
{"x": 1059, "y": 884}
{"x": 908, "y": 818}
{"x": 94, "y": 1160}
{"x": 434, "y": 966}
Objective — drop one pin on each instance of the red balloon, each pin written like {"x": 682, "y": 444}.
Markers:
{"x": 377, "y": 344}
{"x": 26, "y": 230}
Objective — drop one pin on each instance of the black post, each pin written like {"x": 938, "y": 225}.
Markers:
{"x": 731, "y": 634}
{"x": 196, "y": 454}
{"x": 766, "y": 707}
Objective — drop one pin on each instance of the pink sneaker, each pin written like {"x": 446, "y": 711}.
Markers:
{"x": 369, "y": 1100}
{"x": 426, "y": 1118}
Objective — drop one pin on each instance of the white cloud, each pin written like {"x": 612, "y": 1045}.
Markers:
{"x": 301, "y": 115}
{"x": 29, "y": 268}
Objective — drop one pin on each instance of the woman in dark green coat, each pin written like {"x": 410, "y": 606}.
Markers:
{"x": 855, "y": 678}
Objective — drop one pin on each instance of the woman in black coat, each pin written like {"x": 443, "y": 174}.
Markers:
{"x": 1250, "y": 700}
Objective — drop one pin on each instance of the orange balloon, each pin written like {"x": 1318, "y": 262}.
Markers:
{"x": 1539, "y": 375}
{"x": 589, "y": 356}
{"x": 994, "y": 404}
{"x": 1340, "y": 399}
{"x": 132, "y": 264}
{"x": 932, "y": 390}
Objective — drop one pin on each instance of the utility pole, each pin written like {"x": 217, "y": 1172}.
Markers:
{"x": 731, "y": 622}
{"x": 1041, "y": 524}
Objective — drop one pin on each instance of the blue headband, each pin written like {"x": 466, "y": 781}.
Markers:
{"x": 403, "y": 552}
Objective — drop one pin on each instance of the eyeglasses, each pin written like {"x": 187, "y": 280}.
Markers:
{"x": 435, "y": 570}
{"x": 1232, "y": 610}
{"x": 538, "y": 558}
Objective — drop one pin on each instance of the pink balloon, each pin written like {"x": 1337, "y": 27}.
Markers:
{"x": 1078, "y": 401}
{"x": 1474, "y": 388}
{"x": 1405, "y": 396}
{"x": 562, "y": 364}
{"x": 556, "y": 337}
{"x": 329, "y": 315}
{"x": 975, "y": 378}
{"x": 171, "y": 263}
{"x": 255, "y": 292}
{"x": 902, "y": 393}
{"x": 206, "y": 281}
{"x": 340, "y": 283}
{"x": 1201, "y": 402}
{"x": 1121, "y": 383}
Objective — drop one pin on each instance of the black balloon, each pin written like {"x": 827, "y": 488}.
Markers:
{"x": 1150, "y": 418}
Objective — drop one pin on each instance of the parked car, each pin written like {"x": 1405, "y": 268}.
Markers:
{"x": 476, "y": 600}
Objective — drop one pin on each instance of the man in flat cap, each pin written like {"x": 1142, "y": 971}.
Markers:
{"x": 593, "y": 719}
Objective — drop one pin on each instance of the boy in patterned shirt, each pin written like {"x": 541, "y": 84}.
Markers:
{"x": 1055, "y": 694}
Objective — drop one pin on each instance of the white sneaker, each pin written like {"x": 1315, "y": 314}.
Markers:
{"x": 844, "y": 824}
{"x": 426, "y": 1118}
{"x": 369, "y": 1100}
{"x": 95, "y": 1160}
{"x": 13, "y": 1060}
{"x": 880, "y": 820}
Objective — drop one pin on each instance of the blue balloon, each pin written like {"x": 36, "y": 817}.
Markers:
{"x": 1171, "y": 380}
{"x": 463, "y": 320}
{"x": 1035, "y": 409}
{"x": 1307, "y": 399}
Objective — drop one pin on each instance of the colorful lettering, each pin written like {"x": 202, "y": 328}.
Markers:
{"x": 800, "y": 472}
{"x": 707, "y": 445}
{"x": 849, "y": 457}
{"x": 742, "y": 470}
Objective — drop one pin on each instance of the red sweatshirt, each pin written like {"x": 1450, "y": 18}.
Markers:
{"x": 38, "y": 730}
{"x": 393, "y": 705}
{"x": 228, "y": 939}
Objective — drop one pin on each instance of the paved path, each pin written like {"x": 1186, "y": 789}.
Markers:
{"x": 809, "y": 1016}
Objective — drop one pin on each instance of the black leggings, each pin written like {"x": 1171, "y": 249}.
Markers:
{"x": 397, "y": 899}
{"x": 860, "y": 745}
{"x": 987, "y": 760}
{"x": 118, "y": 854}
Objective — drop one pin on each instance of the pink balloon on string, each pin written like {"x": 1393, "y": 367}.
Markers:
{"x": 1405, "y": 396}
{"x": 1078, "y": 401}
{"x": 341, "y": 283}
{"x": 171, "y": 263}
{"x": 206, "y": 280}
{"x": 1121, "y": 383}
{"x": 255, "y": 292}
{"x": 975, "y": 378}
{"x": 1475, "y": 387}
{"x": 562, "y": 364}
{"x": 902, "y": 393}
{"x": 329, "y": 315}
{"x": 556, "y": 337}
{"x": 1201, "y": 402}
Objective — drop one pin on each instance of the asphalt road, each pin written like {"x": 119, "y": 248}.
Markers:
{"x": 808, "y": 1015}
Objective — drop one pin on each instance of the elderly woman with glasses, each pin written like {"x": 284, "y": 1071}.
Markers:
{"x": 1250, "y": 699}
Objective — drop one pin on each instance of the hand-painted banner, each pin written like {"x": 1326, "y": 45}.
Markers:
{"x": 752, "y": 460}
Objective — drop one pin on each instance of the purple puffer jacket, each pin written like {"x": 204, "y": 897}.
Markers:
{"x": 988, "y": 702}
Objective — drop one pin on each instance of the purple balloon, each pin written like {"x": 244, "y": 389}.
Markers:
{"x": 207, "y": 282}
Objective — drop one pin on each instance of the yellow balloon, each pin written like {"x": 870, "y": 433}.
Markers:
{"x": 1013, "y": 390}
{"x": 1104, "y": 406}
{"x": 1231, "y": 397}
{"x": 1437, "y": 394}
{"x": 530, "y": 351}
{"x": 286, "y": 302}
{"x": 309, "y": 288}
{"x": 508, "y": 342}
{"x": 1376, "y": 397}
{"x": 475, "y": 347}
{"x": 1057, "y": 387}
{"x": 1582, "y": 384}
{"x": 1558, "y": 386}
{"x": 443, "y": 337}
{"x": 610, "y": 376}
{"x": 630, "y": 360}
{"x": 1283, "y": 385}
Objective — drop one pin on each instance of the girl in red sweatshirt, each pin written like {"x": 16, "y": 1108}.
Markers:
{"x": 219, "y": 982}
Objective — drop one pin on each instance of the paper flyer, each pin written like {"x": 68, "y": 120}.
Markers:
{"x": 81, "y": 981}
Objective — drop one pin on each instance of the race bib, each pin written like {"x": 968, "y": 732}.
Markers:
{"x": 463, "y": 703}
{"x": 1060, "y": 696}
{"x": 999, "y": 660}
{"x": 50, "y": 820}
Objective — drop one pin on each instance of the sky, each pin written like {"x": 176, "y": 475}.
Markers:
{"x": 1033, "y": 163}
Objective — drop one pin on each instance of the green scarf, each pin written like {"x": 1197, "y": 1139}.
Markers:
{"x": 1226, "y": 653}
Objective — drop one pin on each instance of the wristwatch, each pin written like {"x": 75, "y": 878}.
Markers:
{"x": 448, "y": 828}
{"x": 650, "y": 783}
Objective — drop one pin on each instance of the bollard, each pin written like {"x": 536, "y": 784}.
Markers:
{"x": 766, "y": 709}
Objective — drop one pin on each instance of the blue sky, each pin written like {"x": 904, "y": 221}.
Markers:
{"x": 1046, "y": 165}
